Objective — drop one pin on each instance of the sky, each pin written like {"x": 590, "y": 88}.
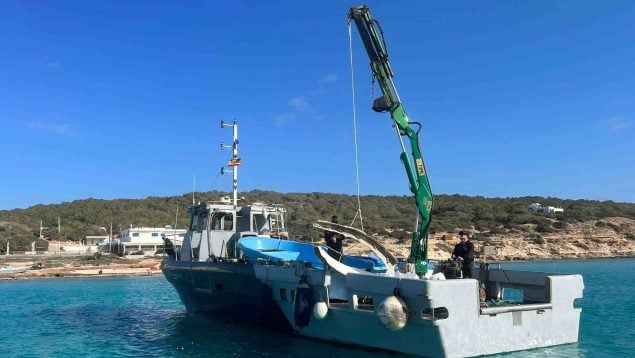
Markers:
{"x": 124, "y": 100}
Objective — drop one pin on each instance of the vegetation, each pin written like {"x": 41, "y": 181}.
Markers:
{"x": 488, "y": 216}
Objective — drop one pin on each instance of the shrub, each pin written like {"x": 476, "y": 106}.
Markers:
{"x": 601, "y": 224}
{"x": 539, "y": 240}
{"x": 402, "y": 236}
{"x": 480, "y": 236}
{"x": 544, "y": 227}
{"x": 617, "y": 228}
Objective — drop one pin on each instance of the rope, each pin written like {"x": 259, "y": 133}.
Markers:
{"x": 359, "y": 202}
{"x": 213, "y": 186}
{"x": 219, "y": 173}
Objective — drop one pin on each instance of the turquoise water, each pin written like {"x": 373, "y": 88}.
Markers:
{"x": 142, "y": 316}
{"x": 606, "y": 327}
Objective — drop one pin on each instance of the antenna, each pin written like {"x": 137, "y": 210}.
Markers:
{"x": 176, "y": 219}
{"x": 235, "y": 161}
{"x": 193, "y": 188}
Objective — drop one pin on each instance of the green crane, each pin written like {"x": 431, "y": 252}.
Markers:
{"x": 372, "y": 37}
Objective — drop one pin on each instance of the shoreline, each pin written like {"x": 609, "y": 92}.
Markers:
{"x": 72, "y": 267}
{"x": 544, "y": 259}
{"x": 12, "y": 277}
{"x": 151, "y": 267}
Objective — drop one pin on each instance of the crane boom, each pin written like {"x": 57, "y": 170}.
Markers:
{"x": 372, "y": 37}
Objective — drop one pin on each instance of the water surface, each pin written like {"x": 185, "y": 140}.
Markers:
{"x": 143, "y": 316}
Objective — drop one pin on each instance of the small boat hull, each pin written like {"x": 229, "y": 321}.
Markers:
{"x": 12, "y": 270}
{"x": 279, "y": 250}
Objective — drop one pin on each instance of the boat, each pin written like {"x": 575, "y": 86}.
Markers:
{"x": 215, "y": 277}
{"x": 432, "y": 318}
{"x": 206, "y": 270}
{"x": 279, "y": 251}
{"x": 415, "y": 308}
{"x": 6, "y": 270}
{"x": 236, "y": 260}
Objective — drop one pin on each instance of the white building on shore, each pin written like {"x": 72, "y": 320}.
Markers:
{"x": 148, "y": 239}
{"x": 539, "y": 208}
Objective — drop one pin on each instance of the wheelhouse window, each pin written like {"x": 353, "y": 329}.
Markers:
{"x": 260, "y": 223}
{"x": 202, "y": 222}
{"x": 222, "y": 221}
{"x": 199, "y": 222}
{"x": 276, "y": 222}
{"x": 194, "y": 223}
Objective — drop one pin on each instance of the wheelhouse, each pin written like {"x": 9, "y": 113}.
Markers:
{"x": 215, "y": 227}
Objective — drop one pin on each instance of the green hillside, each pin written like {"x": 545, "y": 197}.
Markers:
{"x": 451, "y": 212}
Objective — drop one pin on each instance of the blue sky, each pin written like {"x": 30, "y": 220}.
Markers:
{"x": 117, "y": 100}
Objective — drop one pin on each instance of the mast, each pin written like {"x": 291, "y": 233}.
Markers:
{"x": 235, "y": 160}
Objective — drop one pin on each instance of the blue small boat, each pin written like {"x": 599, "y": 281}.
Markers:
{"x": 279, "y": 250}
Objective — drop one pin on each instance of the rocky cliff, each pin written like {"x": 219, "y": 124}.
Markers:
{"x": 609, "y": 237}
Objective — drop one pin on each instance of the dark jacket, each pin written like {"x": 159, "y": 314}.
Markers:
{"x": 464, "y": 250}
{"x": 334, "y": 243}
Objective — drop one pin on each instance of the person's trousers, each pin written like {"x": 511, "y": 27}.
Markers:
{"x": 467, "y": 270}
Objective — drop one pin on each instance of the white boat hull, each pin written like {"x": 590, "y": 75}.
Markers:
{"x": 461, "y": 326}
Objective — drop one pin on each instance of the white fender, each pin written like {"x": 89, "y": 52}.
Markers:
{"x": 393, "y": 313}
{"x": 320, "y": 310}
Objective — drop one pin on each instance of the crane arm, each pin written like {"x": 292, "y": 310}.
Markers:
{"x": 372, "y": 37}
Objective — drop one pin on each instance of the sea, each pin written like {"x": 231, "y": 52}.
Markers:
{"x": 143, "y": 317}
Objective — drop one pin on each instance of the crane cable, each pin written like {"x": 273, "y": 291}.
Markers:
{"x": 359, "y": 203}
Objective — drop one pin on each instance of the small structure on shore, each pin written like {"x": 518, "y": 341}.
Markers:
{"x": 539, "y": 208}
{"x": 147, "y": 240}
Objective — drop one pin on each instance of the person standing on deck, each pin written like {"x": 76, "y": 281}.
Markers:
{"x": 464, "y": 252}
{"x": 334, "y": 241}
